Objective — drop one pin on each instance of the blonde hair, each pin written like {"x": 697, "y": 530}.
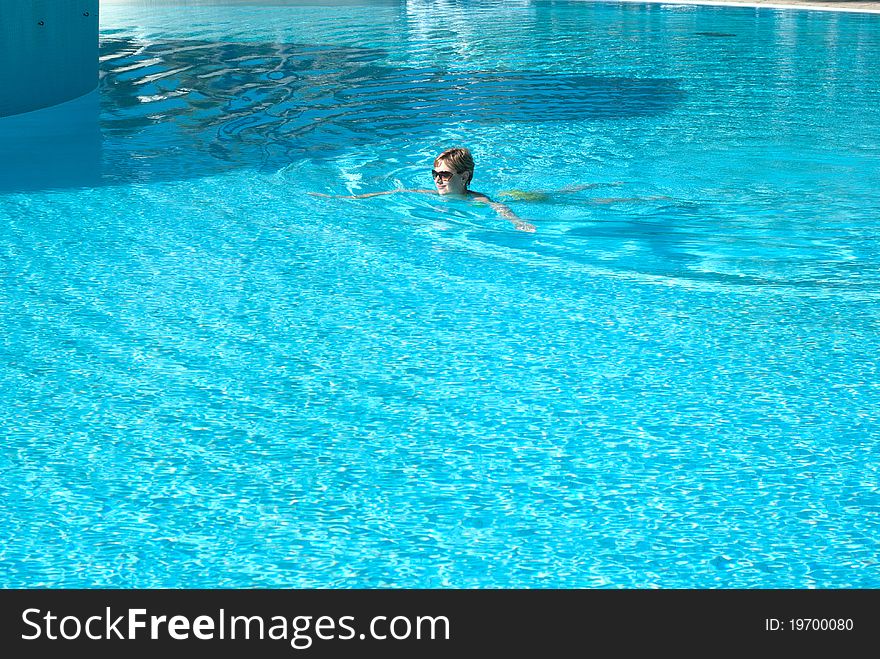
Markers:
{"x": 459, "y": 159}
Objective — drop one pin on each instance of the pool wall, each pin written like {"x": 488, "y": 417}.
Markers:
{"x": 48, "y": 52}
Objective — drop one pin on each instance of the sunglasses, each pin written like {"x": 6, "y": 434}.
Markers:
{"x": 442, "y": 175}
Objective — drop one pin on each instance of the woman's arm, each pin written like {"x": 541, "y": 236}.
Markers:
{"x": 355, "y": 196}
{"x": 367, "y": 194}
{"x": 505, "y": 212}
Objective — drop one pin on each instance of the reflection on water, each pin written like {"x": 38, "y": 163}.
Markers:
{"x": 178, "y": 109}
{"x": 55, "y": 147}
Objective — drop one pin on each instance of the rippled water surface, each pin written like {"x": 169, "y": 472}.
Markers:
{"x": 211, "y": 378}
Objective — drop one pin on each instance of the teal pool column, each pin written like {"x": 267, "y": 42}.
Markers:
{"x": 48, "y": 52}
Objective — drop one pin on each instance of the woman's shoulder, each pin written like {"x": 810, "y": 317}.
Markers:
{"x": 479, "y": 196}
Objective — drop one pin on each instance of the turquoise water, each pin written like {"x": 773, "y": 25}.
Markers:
{"x": 211, "y": 378}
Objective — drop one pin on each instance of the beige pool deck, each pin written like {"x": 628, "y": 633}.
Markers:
{"x": 817, "y": 5}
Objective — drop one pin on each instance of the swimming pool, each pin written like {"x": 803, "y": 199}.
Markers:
{"x": 213, "y": 379}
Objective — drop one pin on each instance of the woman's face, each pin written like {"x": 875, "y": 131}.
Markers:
{"x": 449, "y": 181}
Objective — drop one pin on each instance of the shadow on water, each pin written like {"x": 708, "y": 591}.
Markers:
{"x": 180, "y": 109}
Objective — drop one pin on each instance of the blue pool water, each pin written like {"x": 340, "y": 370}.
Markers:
{"x": 211, "y": 378}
